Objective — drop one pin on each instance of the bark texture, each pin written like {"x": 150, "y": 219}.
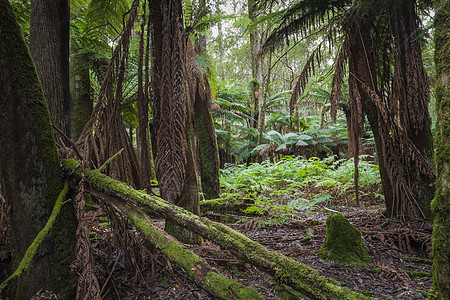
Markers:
{"x": 49, "y": 46}
{"x": 28, "y": 155}
{"x": 176, "y": 155}
{"x": 81, "y": 102}
{"x": 410, "y": 98}
{"x": 441, "y": 202}
{"x": 200, "y": 103}
{"x": 145, "y": 161}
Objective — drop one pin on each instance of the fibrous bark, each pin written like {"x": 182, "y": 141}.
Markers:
{"x": 145, "y": 161}
{"x": 285, "y": 270}
{"x": 409, "y": 103}
{"x": 176, "y": 158}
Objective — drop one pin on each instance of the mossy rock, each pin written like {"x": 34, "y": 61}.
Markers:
{"x": 343, "y": 243}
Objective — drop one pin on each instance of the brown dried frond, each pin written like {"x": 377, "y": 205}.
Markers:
{"x": 401, "y": 158}
{"x": 338, "y": 78}
{"x": 105, "y": 131}
{"x": 307, "y": 72}
{"x": 88, "y": 286}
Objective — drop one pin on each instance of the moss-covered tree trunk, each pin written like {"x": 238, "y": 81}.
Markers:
{"x": 200, "y": 99}
{"x": 49, "y": 46}
{"x": 81, "y": 102}
{"x": 196, "y": 267}
{"x": 441, "y": 202}
{"x": 28, "y": 156}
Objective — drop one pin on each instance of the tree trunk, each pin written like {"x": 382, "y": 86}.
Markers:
{"x": 28, "y": 155}
{"x": 200, "y": 96}
{"x": 173, "y": 116}
{"x": 257, "y": 78}
{"x": 285, "y": 270}
{"x": 441, "y": 202}
{"x": 142, "y": 131}
{"x": 361, "y": 65}
{"x": 411, "y": 96}
{"x": 81, "y": 102}
{"x": 49, "y": 46}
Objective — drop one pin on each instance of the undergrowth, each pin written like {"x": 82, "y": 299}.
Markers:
{"x": 295, "y": 183}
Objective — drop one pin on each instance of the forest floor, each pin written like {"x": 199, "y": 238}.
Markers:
{"x": 395, "y": 248}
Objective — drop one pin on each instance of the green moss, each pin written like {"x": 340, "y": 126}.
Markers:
{"x": 214, "y": 282}
{"x": 287, "y": 293}
{"x": 305, "y": 240}
{"x": 225, "y": 204}
{"x": 228, "y": 289}
{"x": 343, "y": 242}
{"x": 441, "y": 203}
{"x": 209, "y": 155}
{"x": 42, "y": 149}
{"x": 32, "y": 249}
{"x": 418, "y": 274}
{"x": 173, "y": 250}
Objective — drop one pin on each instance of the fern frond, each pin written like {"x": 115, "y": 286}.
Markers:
{"x": 304, "y": 17}
{"x": 307, "y": 72}
{"x": 338, "y": 79}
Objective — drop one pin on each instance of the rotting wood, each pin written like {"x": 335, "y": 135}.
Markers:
{"x": 285, "y": 270}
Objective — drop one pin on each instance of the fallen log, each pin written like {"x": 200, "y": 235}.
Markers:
{"x": 220, "y": 205}
{"x": 196, "y": 267}
{"x": 285, "y": 270}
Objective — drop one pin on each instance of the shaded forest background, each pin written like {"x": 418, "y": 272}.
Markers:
{"x": 263, "y": 111}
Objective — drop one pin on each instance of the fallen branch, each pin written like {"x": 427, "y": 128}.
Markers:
{"x": 285, "y": 270}
{"x": 31, "y": 251}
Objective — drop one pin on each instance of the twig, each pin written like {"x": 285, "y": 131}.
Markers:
{"x": 332, "y": 210}
{"x": 102, "y": 168}
{"x": 112, "y": 270}
{"x": 70, "y": 141}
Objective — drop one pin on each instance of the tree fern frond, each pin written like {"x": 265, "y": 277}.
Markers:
{"x": 338, "y": 79}
{"x": 304, "y": 17}
{"x": 307, "y": 72}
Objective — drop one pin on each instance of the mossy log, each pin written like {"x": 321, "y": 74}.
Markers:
{"x": 285, "y": 270}
{"x": 220, "y": 205}
{"x": 196, "y": 267}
